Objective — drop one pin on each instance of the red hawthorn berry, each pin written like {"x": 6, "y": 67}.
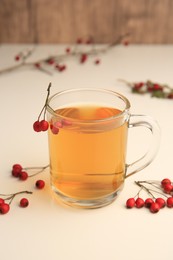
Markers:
{"x": 169, "y": 202}
{"x": 40, "y": 184}
{"x": 68, "y": 50}
{"x": 44, "y": 125}
{"x": 36, "y": 126}
{"x": 148, "y": 202}
{"x": 138, "y": 85}
{"x": 154, "y": 208}
{"x": 51, "y": 61}
{"x": 157, "y": 87}
{"x": 37, "y": 65}
{"x": 83, "y": 58}
{"x": 4, "y": 208}
{"x": 130, "y": 203}
{"x": 54, "y": 129}
{"x": 168, "y": 188}
{"x": 139, "y": 203}
{"x": 16, "y": 170}
{"x": 2, "y": 201}
{"x": 161, "y": 202}
{"x": 17, "y": 57}
{"x": 165, "y": 181}
{"x": 23, "y": 176}
{"x": 17, "y": 167}
{"x": 62, "y": 68}
{"x": 24, "y": 203}
{"x": 97, "y": 61}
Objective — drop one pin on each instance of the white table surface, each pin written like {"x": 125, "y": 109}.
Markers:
{"x": 46, "y": 230}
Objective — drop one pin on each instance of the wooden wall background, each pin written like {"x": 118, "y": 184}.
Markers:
{"x": 63, "y": 21}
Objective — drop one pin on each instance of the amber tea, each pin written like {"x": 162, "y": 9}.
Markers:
{"x": 88, "y": 159}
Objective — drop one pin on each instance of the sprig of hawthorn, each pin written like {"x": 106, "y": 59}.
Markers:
{"x": 155, "y": 89}
{"x": 57, "y": 61}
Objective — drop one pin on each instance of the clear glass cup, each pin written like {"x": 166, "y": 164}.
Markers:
{"x": 88, "y": 142}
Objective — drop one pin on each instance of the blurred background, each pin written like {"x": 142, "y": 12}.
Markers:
{"x": 63, "y": 21}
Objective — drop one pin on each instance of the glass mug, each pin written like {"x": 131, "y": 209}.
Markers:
{"x": 87, "y": 145}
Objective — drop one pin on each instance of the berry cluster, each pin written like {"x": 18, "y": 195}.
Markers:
{"x": 154, "y": 204}
{"x": 155, "y": 89}
{"x": 42, "y": 125}
{"x": 19, "y": 172}
{"x": 5, "y": 206}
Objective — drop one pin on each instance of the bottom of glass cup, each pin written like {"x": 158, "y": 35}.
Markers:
{"x": 86, "y": 203}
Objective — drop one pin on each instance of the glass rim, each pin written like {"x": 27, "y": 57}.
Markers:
{"x": 112, "y": 92}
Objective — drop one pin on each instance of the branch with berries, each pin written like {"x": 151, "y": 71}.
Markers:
{"x": 160, "y": 195}
{"x": 153, "y": 88}
{"x": 57, "y": 62}
{"x": 21, "y": 173}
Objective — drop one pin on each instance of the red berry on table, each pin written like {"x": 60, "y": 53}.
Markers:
{"x": 24, "y": 202}
{"x": 23, "y": 176}
{"x": 138, "y": 86}
{"x": 1, "y": 201}
{"x": 51, "y": 61}
{"x": 17, "y": 57}
{"x": 4, "y": 208}
{"x": 154, "y": 208}
{"x": 17, "y": 167}
{"x": 139, "y": 203}
{"x": 165, "y": 181}
{"x": 161, "y": 202}
{"x": 130, "y": 203}
{"x": 68, "y": 50}
{"x": 44, "y": 125}
{"x": 36, "y": 126}
{"x": 62, "y": 68}
{"x": 83, "y": 58}
{"x": 148, "y": 202}
{"x": 37, "y": 65}
{"x": 40, "y": 184}
{"x": 97, "y": 61}
{"x": 168, "y": 188}
{"x": 16, "y": 170}
{"x": 157, "y": 87}
{"x": 169, "y": 202}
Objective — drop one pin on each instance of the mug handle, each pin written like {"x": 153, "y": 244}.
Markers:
{"x": 146, "y": 159}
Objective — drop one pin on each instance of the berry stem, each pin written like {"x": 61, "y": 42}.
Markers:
{"x": 10, "y": 197}
{"x": 41, "y": 170}
{"x": 45, "y": 105}
{"x": 142, "y": 186}
{"x": 16, "y": 193}
{"x": 149, "y": 190}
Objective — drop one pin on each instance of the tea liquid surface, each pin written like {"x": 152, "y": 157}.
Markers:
{"x": 87, "y": 160}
